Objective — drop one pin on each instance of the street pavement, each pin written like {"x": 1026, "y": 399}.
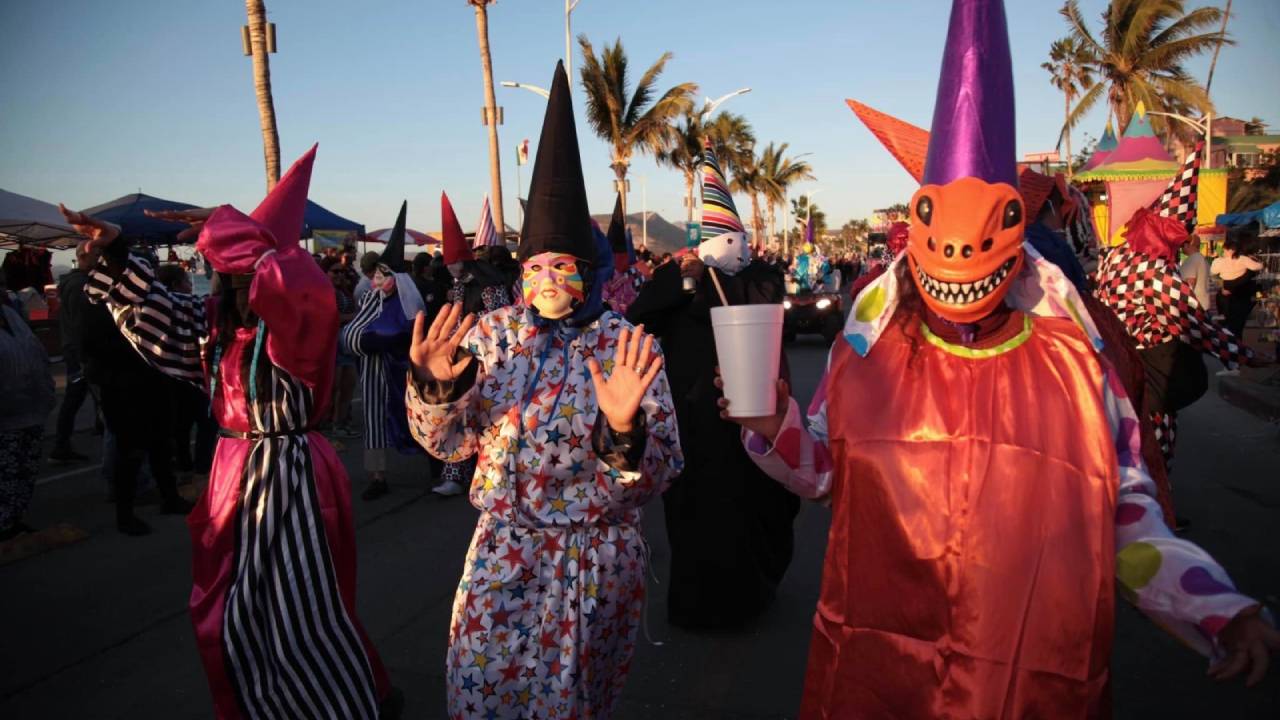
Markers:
{"x": 98, "y": 628}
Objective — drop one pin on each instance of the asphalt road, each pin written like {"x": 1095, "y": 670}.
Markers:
{"x": 98, "y": 628}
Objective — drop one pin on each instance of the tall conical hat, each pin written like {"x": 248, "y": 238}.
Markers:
{"x": 617, "y": 229}
{"x": 557, "y": 218}
{"x": 719, "y": 214}
{"x": 393, "y": 253}
{"x": 908, "y": 144}
{"x": 282, "y": 210}
{"x": 454, "y": 241}
{"x": 1178, "y": 201}
{"x": 972, "y": 134}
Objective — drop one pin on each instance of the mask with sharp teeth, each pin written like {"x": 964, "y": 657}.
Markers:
{"x": 965, "y": 246}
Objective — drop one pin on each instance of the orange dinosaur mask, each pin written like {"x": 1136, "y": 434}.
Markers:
{"x": 965, "y": 246}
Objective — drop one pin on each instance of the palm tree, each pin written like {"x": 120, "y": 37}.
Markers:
{"x": 804, "y": 212}
{"x": 748, "y": 179}
{"x": 1068, "y": 68}
{"x": 629, "y": 124}
{"x": 1139, "y": 57}
{"x": 778, "y": 174}
{"x": 490, "y": 111}
{"x": 683, "y": 152}
{"x": 733, "y": 140}
{"x": 854, "y": 232}
{"x": 257, "y": 12}
{"x": 729, "y": 134}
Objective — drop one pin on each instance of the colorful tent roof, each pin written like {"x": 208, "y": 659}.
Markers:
{"x": 1104, "y": 147}
{"x": 1139, "y": 155}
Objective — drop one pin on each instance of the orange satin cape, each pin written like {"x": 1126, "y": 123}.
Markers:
{"x": 970, "y": 564}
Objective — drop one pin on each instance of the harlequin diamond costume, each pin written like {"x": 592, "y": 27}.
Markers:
{"x": 1141, "y": 283}
{"x": 552, "y": 590}
{"x": 273, "y": 545}
{"x": 980, "y": 457}
{"x": 621, "y": 289}
{"x": 728, "y": 523}
{"x": 379, "y": 335}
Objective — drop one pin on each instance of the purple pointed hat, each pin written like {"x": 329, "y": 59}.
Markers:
{"x": 973, "y": 120}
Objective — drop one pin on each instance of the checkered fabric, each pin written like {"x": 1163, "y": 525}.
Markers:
{"x": 1179, "y": 199}
{"x": 1165, "y": 426}
{"x": 1156, "y": 305}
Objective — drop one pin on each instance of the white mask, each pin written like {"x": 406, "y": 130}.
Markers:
{"x": 728, "y": 253}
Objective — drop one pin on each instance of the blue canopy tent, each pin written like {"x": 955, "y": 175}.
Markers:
{"x": 1269, "y": 216}
{"x": 327, "y": 228}
{"x": 127, "y": 212}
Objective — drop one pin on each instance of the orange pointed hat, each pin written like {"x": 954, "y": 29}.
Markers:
{"x": 908, "y": 144}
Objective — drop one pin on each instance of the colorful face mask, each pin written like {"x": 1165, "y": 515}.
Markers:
{"x": 727, "y": 253}
{"x": 384, "y": 281}
{"x": 807, "y": 248}
{"x": 553, "y": 284}
{"x": 965, "y": 245}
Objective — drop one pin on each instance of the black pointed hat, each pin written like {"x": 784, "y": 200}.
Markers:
{"x": 393, "y": 254}
{"x": 557, "y": 218}
{"x": 618, "y": 229}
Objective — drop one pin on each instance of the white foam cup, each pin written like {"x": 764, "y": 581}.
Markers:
{"x": 749, "y": 347}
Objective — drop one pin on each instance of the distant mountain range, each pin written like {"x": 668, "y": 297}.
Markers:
{"x": 664, "y": 237}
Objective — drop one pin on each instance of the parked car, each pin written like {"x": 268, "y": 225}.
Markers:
{"x": 812, "y": 312}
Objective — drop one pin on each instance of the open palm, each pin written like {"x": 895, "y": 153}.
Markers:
{"x": 100, "y": 233}
{"x": 635, "y": 367}
{"x": 432, "y": 352}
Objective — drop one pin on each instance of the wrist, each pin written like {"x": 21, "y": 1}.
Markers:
{"x": 621, "y": 427}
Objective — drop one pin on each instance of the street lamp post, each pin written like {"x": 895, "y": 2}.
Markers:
{"x": 569, "y": 5}
{"x": 546, "y": 95}
{"x": 1204, "y": 125}
{"x": 709, "y": 105}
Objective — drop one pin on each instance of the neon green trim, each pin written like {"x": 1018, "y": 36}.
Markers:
{"x": 979, "y": 353}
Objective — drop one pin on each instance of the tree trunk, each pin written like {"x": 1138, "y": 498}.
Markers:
{"x": 257, "y": 12}
{"x": 757, "y": 220}
{"x": 773, "y": 227}
{"x": 1222, "y": 33}
{"x": 1066, "y": 125}
{"x": 688, "y": 194}
{"x": 491, "y": 113}
{"x": 620, "y": 174}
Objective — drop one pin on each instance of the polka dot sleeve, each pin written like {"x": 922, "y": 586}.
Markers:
{"x": 1176, "y": 583}
{"x": 798, "y": 457}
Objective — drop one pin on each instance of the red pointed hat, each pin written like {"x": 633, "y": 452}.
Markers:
{"x": 456, "y": 249}
{"x": 234, "y": 243}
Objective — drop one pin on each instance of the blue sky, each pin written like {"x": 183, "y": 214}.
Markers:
{"x": 105, "y": 98}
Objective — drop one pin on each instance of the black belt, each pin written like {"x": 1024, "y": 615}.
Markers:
{"x": 223, "y": 432}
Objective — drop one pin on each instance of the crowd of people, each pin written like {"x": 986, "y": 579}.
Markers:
{"x": 568, "y": 386}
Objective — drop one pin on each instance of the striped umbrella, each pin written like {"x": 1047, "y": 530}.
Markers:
{"x": 381, "y": 236}
{"x": 486, "y": 233}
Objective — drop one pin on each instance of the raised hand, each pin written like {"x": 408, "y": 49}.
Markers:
{"x": 634, "y": 369}
{"x": 100, "y": 233}
{"x": 766, "y": 427}
{"x": 194, "y": 217}
{"x": 431, "y": 353}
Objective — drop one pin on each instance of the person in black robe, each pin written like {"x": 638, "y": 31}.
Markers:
{"x": 728, "y": 523}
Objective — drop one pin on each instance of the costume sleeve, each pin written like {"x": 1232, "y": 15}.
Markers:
{"x": 1197, "y": 329}
{"x": 639, "y": 467}
{"x": 353, "y": 333}
{"x": 444, "y": 418}
{"x": 167, "y": 328}
{"x": 798, "y": 457}
{"x": 658, "y": 300}
{"x": 1172, "y": 580}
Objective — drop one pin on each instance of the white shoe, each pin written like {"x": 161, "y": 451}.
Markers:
{"x": 1228, "y": 373}
{"x": 448, "y": 488}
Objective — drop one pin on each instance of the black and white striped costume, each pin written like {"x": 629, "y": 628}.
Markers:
{"x": 273, "y": 548}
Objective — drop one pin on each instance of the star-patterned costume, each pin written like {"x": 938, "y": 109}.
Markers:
{"x": 552, "y": 590}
